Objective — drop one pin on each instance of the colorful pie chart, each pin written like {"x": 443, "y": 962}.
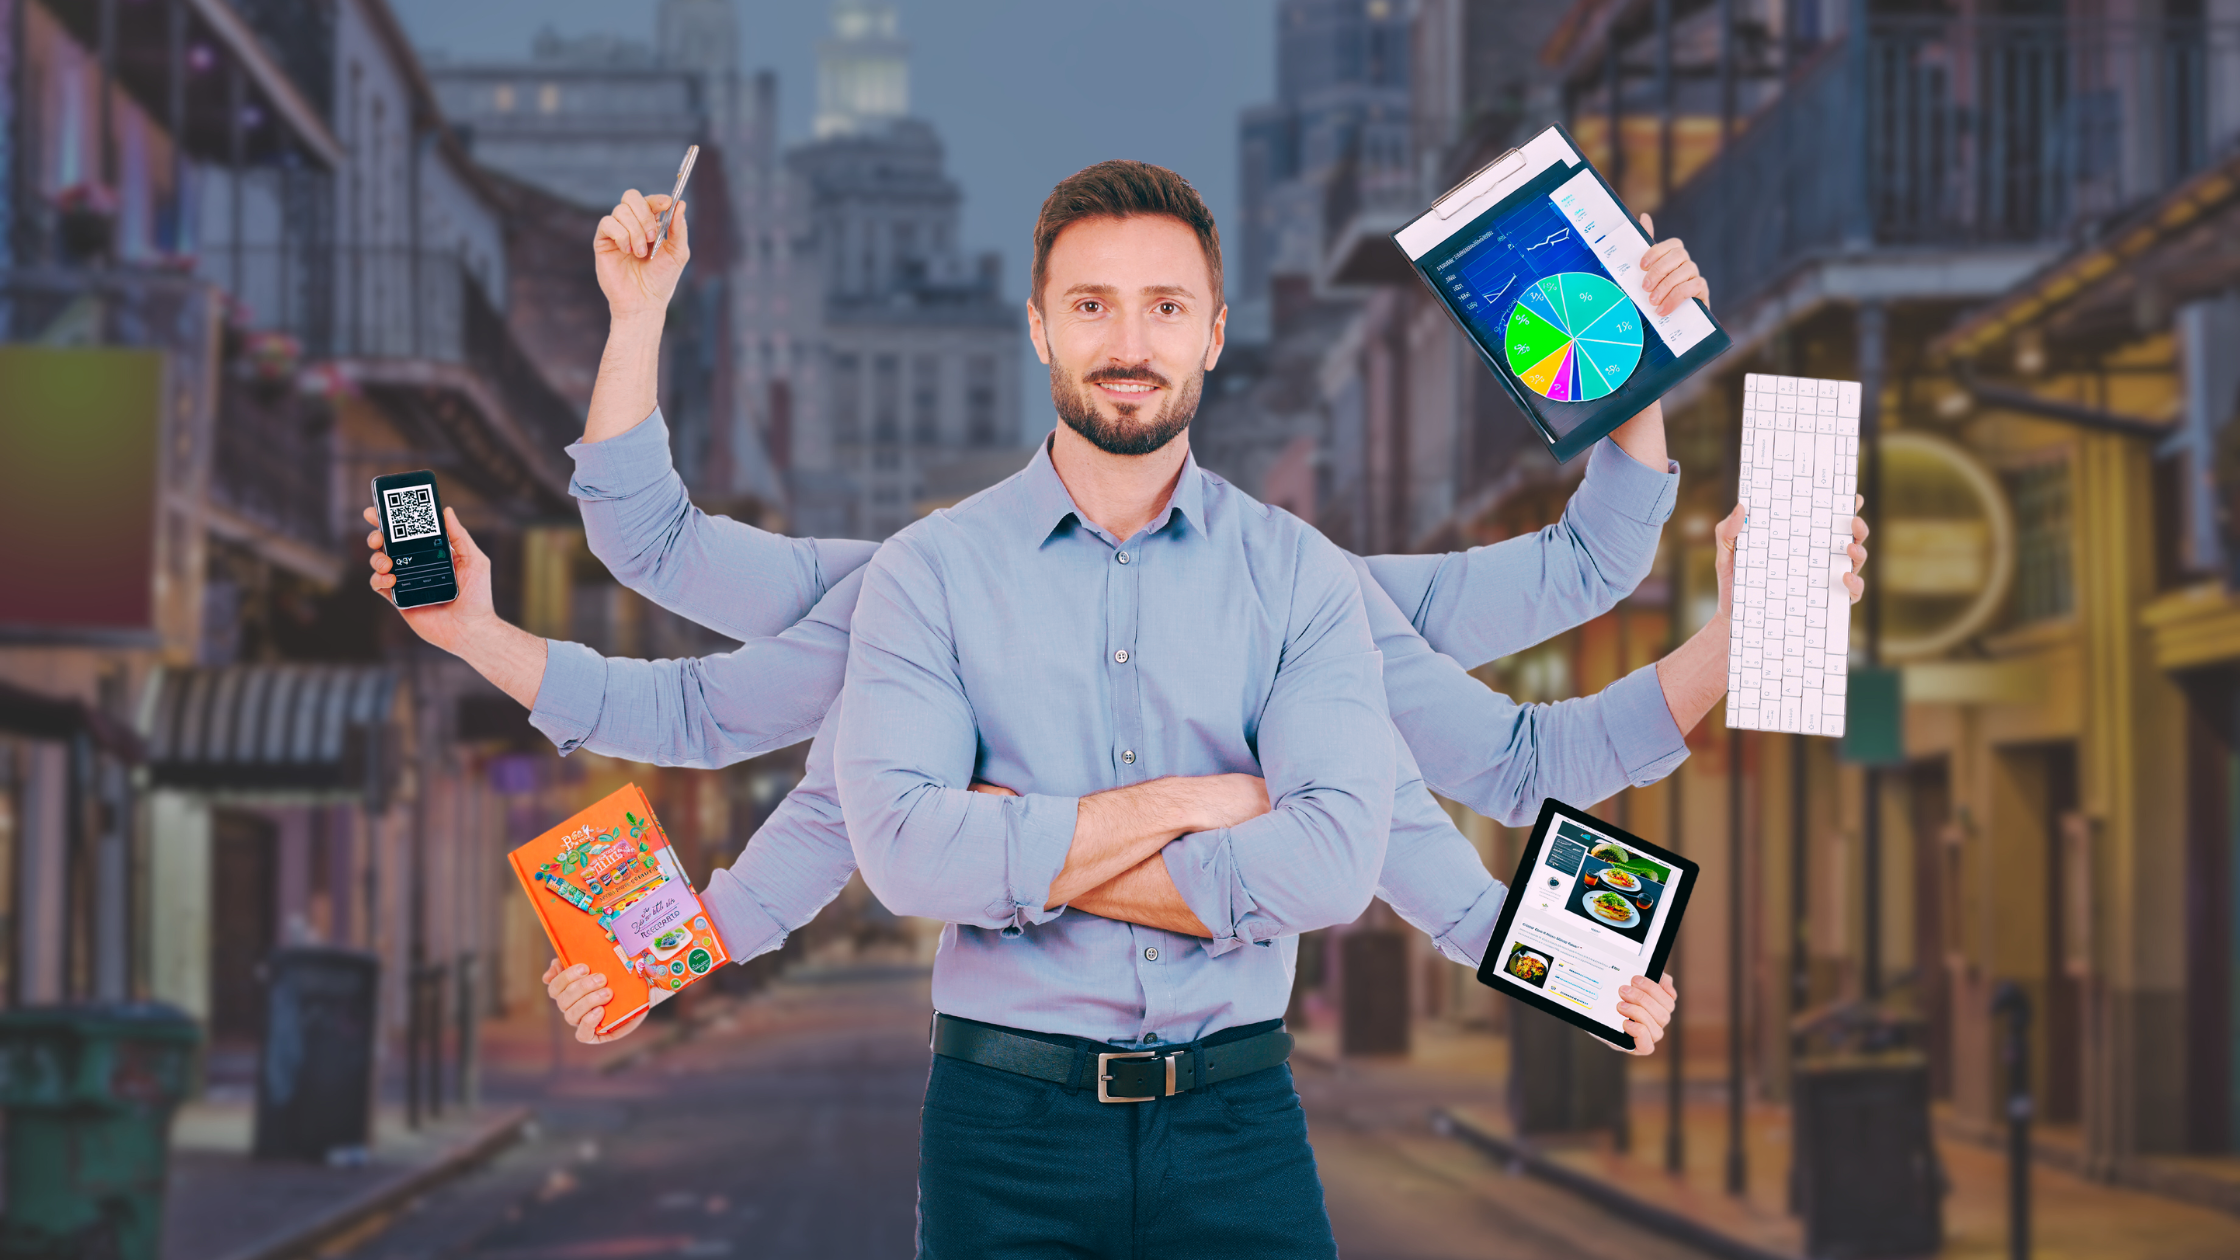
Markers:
{"x": 1574, "y": 337}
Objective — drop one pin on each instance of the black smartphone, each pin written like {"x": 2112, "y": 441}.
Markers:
{"x": 419, "y": 550}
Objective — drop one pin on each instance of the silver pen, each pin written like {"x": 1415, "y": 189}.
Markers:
{"x": 684, "y": 172}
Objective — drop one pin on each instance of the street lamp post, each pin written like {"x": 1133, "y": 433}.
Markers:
{"x": 1872, "y": 342}
{"x": 1738, "y": 1171}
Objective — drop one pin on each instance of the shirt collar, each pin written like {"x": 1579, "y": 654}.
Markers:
{"x": 1051, "y": 503}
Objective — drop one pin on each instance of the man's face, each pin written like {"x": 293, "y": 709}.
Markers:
{"x": 1129, "y": 324}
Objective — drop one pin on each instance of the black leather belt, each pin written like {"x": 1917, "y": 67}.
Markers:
{"x": 1120, "y": 1076}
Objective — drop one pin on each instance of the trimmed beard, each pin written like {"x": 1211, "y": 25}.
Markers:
{"x": 1123, "y": 435}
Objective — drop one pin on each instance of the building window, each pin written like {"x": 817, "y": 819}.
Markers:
{"x": 980, "y": 400}
{"x": 502, "y": 98}
{"x": 886, "y": 399}
{"x": 2044, "y": 577}
{"x": 847, "y": 399}
{"x": 548, "y": 98}
{"x": 925, "y": 400}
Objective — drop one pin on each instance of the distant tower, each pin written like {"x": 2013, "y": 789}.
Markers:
{"x": 863, "y": 72}
{"x": 700, "y": 35}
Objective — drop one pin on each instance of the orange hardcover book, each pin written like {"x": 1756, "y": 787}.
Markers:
{"x": 611, "y": 893}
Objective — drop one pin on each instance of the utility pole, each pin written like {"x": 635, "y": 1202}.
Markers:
{"x": 1872, "y": 327}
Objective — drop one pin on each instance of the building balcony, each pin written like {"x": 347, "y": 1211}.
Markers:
{"x": 415, "y": 330}
{"x": 1947, "y": 157}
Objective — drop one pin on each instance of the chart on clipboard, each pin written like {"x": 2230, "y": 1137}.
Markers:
{"x": 1540, "y": 266}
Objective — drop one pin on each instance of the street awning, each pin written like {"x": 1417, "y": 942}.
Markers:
{"x": 274, "y": 728}
{"x": 24, "y": 712}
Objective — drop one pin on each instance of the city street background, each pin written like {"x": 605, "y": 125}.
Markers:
{"x": 1962, "y": 983}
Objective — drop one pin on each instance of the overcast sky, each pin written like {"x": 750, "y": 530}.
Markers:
{"x": 1023, "y": 92}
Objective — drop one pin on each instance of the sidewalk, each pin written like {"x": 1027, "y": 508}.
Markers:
{"x": 223, "y": 1205}
{"x": 2073, "y": 1217}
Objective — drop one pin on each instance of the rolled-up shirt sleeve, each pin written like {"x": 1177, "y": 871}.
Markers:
{"x": 1485, "y": 603}
{"x": 795, "y": 864}
{"x": 729, "y": 576}
{"x": 1325, "y": 744}
{"x": 706, "y": 711}
{"x": 1433, "y": 878}
{"x": 905, "y": 754}
{"x": 1502, "y": 759}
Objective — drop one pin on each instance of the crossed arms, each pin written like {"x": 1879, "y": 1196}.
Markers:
{"x": 1478, "y": 747}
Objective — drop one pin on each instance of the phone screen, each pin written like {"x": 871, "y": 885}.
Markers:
{"x": 412, "y": 525}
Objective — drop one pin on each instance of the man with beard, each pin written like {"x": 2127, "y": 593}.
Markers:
{"x": 1120, "y": 640}
{"x": 1124, "y": 642}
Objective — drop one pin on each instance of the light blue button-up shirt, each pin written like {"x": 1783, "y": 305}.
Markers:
{"x": 1011, "y": 639}
{"x": 1479, "y": 748}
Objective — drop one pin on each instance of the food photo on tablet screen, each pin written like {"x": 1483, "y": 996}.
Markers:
{"x": 1593, "y": 907}
{"x": 1529, "y": 965}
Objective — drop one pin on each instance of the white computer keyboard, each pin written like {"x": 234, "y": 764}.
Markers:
{"x": 1789, "y": 656}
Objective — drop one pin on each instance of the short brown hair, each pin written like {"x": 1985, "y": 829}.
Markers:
{"x": 1120, "y": 190}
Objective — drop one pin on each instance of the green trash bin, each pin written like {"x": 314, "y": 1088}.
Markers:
{"x": 89, "y": 1092}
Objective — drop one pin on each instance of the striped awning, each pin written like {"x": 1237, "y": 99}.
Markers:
{"x": 274, "y": 727}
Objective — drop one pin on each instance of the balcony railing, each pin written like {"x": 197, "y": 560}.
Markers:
{"x": 115, "y": 306}
{"x": 270, "y": 457}
{"x": 350, "y": 302}
{"x": 377, "y": 304}
{"x": 1954, "y": 133}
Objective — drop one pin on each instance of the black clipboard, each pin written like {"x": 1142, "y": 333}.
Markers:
{"x": 1555, "y": 914}
{"x": 1538, "y": 212}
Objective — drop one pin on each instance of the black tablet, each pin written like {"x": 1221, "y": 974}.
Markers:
{"x": 1538, "y": 261}
{"x": 1591, "y": 907}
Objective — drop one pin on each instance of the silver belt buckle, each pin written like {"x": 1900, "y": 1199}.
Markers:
{"x": 1104, "y": 1077}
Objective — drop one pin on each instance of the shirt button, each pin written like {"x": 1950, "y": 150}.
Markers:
{"x": 1128, "y": 755}
{"x": 1121, "y": 656}
{"x": 1151, "y": 953}
{"x": 1122, "y": 557}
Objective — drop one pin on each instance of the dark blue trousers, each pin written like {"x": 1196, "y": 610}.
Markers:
{"x": 1009, "y": 1166}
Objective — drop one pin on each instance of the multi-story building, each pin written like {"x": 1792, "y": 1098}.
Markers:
{"x": 1391, "y": 437}
{"x": 583, "y": 119}
{"x": 1891, "y": 197}
{"x": 886, "y": 356}
{"x": 1896, "y": 198}
{"x": 249, "y": 268}
{"x": 1339, "y": 126}
{"x": 1876, "y": 195}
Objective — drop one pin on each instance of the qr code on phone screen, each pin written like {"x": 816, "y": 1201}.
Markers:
{"x": 412, "y": 513}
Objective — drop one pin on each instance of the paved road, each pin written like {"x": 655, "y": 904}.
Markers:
{"x": 790, "y": 1130}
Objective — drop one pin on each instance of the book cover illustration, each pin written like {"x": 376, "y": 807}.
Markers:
{"x": 611, "y": 893}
